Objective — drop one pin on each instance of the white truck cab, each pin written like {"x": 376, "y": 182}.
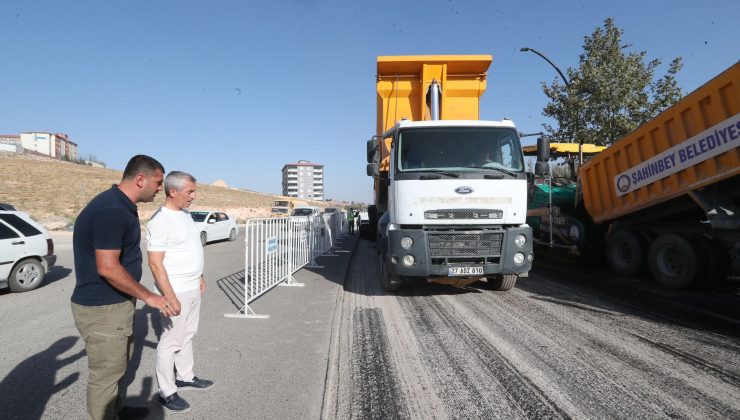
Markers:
{"x": 457, "y": 202}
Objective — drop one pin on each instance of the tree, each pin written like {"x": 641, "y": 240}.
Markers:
{"x": 611, "y": 93}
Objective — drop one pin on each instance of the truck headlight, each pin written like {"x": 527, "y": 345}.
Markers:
{"x": 518, "y": 258}
{"x": 408, "y": 260}
{"x": 520, "y": 240}
{"x": 406, "y": 242}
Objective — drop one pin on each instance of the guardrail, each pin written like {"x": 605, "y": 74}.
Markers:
{"x": 275, "y": 248}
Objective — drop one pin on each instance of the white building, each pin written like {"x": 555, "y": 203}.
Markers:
{"x": 10, "y": 143}
{"x": 55, "y": 145}
{"x": 303, "y": 180}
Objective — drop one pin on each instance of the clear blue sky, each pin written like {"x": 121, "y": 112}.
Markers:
{"x": 233, "y": 90}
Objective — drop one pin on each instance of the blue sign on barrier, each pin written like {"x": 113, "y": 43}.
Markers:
{"x": 272, "y": 245}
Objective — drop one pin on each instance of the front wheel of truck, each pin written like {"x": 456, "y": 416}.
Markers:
{"x": 502, "y": 282}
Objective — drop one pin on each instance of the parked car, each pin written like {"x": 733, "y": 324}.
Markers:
{"x": 26, "y": 252}
{"x": 309, "y": 212}
{"x": 214, "y": 226}
{"x": 364, "y": 227}
{"x": 305, "y": 211}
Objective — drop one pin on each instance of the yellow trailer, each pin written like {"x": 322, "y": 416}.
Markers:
{"x": 669, "y": 192}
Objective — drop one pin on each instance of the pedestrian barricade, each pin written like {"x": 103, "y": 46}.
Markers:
{"x": 275, "y": 248}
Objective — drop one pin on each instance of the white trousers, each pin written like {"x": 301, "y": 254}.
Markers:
{"x": 175, "y": 348}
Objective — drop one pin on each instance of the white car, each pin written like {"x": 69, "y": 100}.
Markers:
{"x": 214, "y": 226}
{"x": 305, "y": 211}
{"x": 26, "y": 252}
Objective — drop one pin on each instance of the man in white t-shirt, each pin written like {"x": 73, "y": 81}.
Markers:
{"x": 176, "y": 260}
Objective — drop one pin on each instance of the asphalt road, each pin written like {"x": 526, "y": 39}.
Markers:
{"x": 565, "y": 343}
{"x": 568, "y": 342}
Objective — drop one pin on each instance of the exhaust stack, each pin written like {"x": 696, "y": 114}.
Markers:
{"x": 434, "y": 96}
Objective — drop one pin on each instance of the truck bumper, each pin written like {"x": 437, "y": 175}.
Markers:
{"x": 434, "y": 252}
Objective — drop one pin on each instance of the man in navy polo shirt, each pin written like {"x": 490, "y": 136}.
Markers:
{"x": 108, "y": 269}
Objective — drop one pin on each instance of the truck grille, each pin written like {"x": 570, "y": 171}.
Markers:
{"x": 465, "y": 244}
{"x": 464, "y": 214}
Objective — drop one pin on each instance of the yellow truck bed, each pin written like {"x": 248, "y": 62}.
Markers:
{"x": 688, "y": 146}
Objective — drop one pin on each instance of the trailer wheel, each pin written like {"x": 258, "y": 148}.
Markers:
{"x": 673, "y": 261}
{"x": 501, "y": 282}
{"x": 391, "y": 282}
{"x": 625, "y": 252}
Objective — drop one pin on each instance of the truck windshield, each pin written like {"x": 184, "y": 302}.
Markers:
{"x": 280, "y": 203}
{"x": 459, "y": 149}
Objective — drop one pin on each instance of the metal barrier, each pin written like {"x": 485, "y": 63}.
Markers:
{"x": 275, "y": 248}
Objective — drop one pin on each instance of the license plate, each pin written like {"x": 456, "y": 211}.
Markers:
{"x": 464, "y": 271}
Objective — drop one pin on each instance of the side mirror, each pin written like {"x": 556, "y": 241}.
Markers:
{"x": 371, "y": 169}
{"x": 541, "y": 167}
{"x": 372, "y": 149}
{"x": 543, "y": 149}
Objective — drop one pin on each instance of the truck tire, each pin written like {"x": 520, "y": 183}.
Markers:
{"x": 502, "y": 282}
{"x": 364, "y": 230}
{"x": 391, "y": 282}
{"x": 372, "y": 213}
{"x": 715, "y": 259}
{"x": 625, "y": 252}
{"x": 673, "y": 261}
{"x": 26, "y": 275}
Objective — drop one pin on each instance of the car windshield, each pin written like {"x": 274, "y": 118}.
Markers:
{"x": 302, "y": 212}
{"x": 459, "y": 149}
{"x": 280, "y": 203}
{"x": 199, "y": 216}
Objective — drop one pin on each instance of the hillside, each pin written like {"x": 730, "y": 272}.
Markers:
{"x": 48, "y": 189}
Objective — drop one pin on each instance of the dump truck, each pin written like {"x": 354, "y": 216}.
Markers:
{"x": 449, "y": 189}
{"x": 281, "y": 208}
{"x": 666, "y": 197}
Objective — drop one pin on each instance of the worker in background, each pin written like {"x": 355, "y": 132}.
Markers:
{"x": 351, "y": 221}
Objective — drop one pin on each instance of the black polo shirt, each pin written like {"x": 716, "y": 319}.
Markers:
{"x": 110, "y": 221}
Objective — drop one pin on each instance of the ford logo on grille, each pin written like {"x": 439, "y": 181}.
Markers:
{"x": 463, "y": 190}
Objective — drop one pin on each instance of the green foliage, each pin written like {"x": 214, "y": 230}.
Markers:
{"x": 611, "y": 93}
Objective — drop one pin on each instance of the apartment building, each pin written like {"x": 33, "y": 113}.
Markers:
{"x": 303, "y": 180}
{"x": 55, "y": 145}
{"x": 10, "y": 143}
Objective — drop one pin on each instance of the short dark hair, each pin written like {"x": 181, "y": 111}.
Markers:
{"x": 141, "y": 164}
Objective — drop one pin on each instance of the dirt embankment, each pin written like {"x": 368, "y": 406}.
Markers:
{"x": 53, "y": 192}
